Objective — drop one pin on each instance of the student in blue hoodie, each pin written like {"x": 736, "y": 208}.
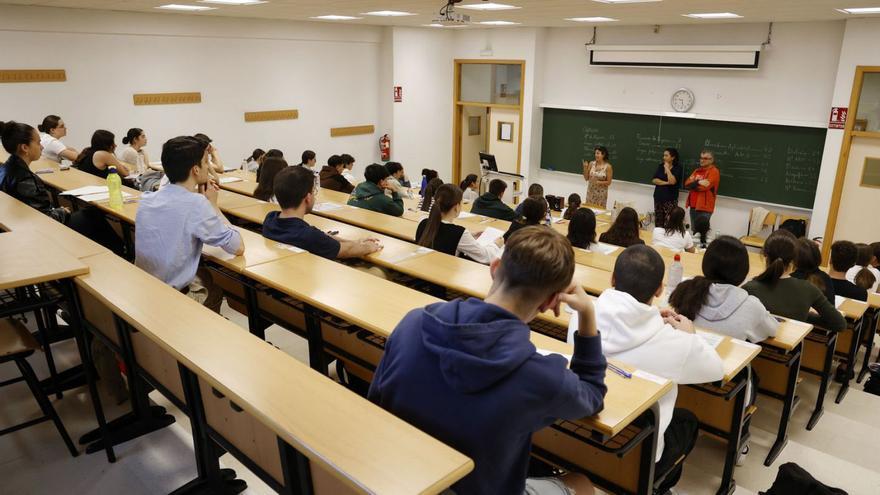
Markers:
{"x": 466, "y": 373}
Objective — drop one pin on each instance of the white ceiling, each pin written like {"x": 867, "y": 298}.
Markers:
{"x": 532, "y": 13}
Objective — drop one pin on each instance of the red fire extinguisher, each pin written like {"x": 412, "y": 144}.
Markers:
{"x": 385, "y": 148}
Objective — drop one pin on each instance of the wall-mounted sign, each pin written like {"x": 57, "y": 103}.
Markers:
{"x": 398, "y": 94}
{"x": 838, "y": 118}
{"x": 167, "y": 98}
{"x": 32, "y": 75}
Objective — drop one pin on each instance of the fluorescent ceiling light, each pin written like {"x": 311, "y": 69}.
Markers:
{"x": 591, "y": 19}
{"x": 388, "y": 13}
{"x": 334, "y": 17}
{"x": 234, "y": 2}
{"x": 625, "y": 1}
{"x": 488, "y": 6}
{"x": 188, "y": 8}
{"x": 714, "y": 15}
{"x": 861, "y": 10}
{"x": 499, "y": 23}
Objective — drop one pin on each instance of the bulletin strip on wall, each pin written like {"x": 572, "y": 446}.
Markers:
{"x": 167, "y": 98}
{"x": 32, "y": 75}
{"x": 291, "y": 114}
{"x": 352, "y": 131}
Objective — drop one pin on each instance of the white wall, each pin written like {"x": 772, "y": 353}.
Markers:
{"x": 237, "y": 64}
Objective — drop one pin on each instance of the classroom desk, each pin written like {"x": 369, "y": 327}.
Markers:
{"x": 28, "y": 260}
{"x": 869, "y": 331}
{"x": 848, "y": 340}
{"x": 319, "y": 431}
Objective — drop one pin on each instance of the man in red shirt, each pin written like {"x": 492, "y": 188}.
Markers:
{"x": 703, "y": 186}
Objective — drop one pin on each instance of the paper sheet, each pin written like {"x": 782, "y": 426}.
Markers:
{"x": 104, "y": 196}
{"x": 602, "y": 248}
{"x": 228, "y": 180}
{"x": 713, "y": 339}
{"x": 216, "y": 253}
{"x": 466, "y": 214}
{"x": 489, "y": 236}
{"x": 545, "y": 352}
{"x": 838, "y": 301}
{"x": 82, "y": 191}
{"x": 421, "y": 251}
{"x": 648, "y": 376}
{"x": 291, "y": 248}
{"x": 328, "y": 207}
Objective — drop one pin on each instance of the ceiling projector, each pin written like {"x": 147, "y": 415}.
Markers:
{"x": 449, "y": 17}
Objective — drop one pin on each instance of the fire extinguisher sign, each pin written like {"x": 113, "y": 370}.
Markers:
{"x": 838, "y": 118}
{"x": 398, "y": 94}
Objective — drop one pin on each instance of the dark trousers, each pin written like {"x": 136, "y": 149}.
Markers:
{"x": 700, "y": 223}
{"x": 91, "y": 222}
{"x": 679, "y": 440}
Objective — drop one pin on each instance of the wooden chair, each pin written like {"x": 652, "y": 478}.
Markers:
{"x": 755, "y": 240}
{"x": 16, "y": 344}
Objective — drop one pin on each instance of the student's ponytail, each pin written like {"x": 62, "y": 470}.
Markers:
{"x": 779, "y": 253}
{"x": 726, "y": 261}
{"x": 446, "y": 198}
{"x": 690, "y": 295}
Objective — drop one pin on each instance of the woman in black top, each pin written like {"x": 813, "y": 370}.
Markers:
{"x": 807, "y": 263}
{"x": 270, "y": 168}
{"x": 533, "y": 211}
{"x": 624, "y": 231}
{"x": 99, "y": 157}
{"x": 439, "y": 233}
{"x": 16, "y": 179}
{"x": 666, "y": 180}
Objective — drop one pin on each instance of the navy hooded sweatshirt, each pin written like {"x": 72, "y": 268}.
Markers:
{"x": 466, "y": 373}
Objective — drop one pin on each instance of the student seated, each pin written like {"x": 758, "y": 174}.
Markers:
{"x": 807, "y": 261}
{"x": 844, "y": 255}
{"x": 865, "y": 265}
{"x": 214, "y": 162}
{"x": 673, "y": 235}
{"x": 427, "y": 200}
{"x": 296, "y": 194}
{"x": 786, "y": 296}
{"x": 252, "y": 162}
{"x": 490, "y": 204}
{"x": 582, "y": 229}
{"x": 397, "y": 178}
{"x": 99, "y": 157}
{"x": 427, "y": 175}
{"x": 51, "y": 131}
{"x": 347, "y": 167}
{"x": 331, "y": 176}
{"x": 135, "y": 153}
{"x": 572, "y": 205}
{"x": 174, "y": 223}
{"x": 535, "y": 191}
{"x": 625, "y": 229}
{"x": 466, "y": 373}
{"x": 272, "y": 153}
{"x": 309, "y": 160}
{"x": 533, "y": 211}
{"x": 470, "y": 187}
{"x": 438, "y": 231}
{"x": 370, "y": 194}
{"x": 716, "y": 301}
{"x": 660, "y": 342}
{"x": 22, "y": 142}
{"x": 270, "y": 169}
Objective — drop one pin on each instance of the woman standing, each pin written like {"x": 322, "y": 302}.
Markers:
{"x": 666, "y": 181}
{"x": 51, "y": 131}
{"x": 598, "y": 175}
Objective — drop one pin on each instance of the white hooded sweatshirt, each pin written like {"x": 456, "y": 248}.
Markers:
{"x": 635, "y": 333}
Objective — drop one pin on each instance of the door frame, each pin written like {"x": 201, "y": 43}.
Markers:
{"x": 458, "y": 106}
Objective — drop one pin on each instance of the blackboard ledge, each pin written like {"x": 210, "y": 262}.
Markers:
{"x": 651, "y": 186}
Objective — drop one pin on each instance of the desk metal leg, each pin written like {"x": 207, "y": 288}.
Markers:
{"x": 297, "y": 471}
{"x": 43, "y": 329}
{"x": 211, "y": 479}
{"x": 143, "y": 418}
{"x": 869, "y": 333}
{"x": 787, "y": 405}
{"x": 823, "y": 382}
{"x": 649, "y": 454}
{"x": 256, "y": 325}
{"x": 317, "y": 359}
{"x": 851, "y": 361}
{"x": 728, "y": 485}
{"x": 69, "y": 291}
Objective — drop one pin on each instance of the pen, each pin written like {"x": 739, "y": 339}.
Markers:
{"x": 619, "y": 371}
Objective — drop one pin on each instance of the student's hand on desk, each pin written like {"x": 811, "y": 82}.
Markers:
{"x": 678, "y": 321}
{"x": 372, "y": 245}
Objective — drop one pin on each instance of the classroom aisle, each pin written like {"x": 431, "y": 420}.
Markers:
{"x": 839, "y": 451}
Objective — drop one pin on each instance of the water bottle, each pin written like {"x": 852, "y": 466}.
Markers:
{"x": 114, "y": 186}
{"x": 675, "y": 274}
{"x": 548, "y": 218}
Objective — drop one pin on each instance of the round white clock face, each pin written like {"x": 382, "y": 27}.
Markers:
{"x": 683, "y": 100}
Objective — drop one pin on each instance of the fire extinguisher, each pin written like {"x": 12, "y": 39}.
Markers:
{"x": 385, "y": 148}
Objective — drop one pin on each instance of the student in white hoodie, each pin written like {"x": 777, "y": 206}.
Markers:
{"x": 660, "y": 342}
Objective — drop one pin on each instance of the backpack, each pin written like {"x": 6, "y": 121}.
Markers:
{"x": 872, "y": 386}
{"x": 795, "y": 480}
{"x": 798, "y": 227}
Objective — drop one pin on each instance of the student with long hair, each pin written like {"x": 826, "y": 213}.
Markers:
{"x": 599, "y": 175}
{"x": 272, "y": 153}
{"x": 270, "y": 168}
{"x": 470, "y": 187}
{"x": 51, "y": 131}
{"x": 673, "y": 235}
{"x": 667, "y": 180}
{"x": 785, "y": 295}
{"x": 533, "y": 211}
{"x": 807, "y": 262}
{"x": 582, "y": 229}
{"x": 438, "y": 231}
{"x": 430, "y": 190}
{"x": 865, "y": 265}
{"x": 98, "y": 157}
{"x": 427, "y": 175}
{"x": 572, "y": 205}
{"x": 625, "y": 229}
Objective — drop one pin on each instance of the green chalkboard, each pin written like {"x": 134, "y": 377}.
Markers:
{"x": 770, "y": 163}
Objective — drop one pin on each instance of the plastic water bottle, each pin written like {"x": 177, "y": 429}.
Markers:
{"x": 114, "y": 186}
{"x": 675, "y": 274}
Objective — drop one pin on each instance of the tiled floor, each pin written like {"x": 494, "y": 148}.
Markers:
{"x": 841, "y": 450}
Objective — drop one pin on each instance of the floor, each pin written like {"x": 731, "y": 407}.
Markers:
{"x": 840, "y": 451}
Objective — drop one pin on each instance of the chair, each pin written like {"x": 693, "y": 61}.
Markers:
{"x": 756, "y": 240}
{"x": 16, "y": 344}
{"x": 797, "y": 218}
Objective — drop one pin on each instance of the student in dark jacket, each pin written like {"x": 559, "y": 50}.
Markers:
{"x": 625, "y": 229}
{"x": 466, "y": 373}
{"x": 371, "y": 193}
{"x": 843, "y": 257}
{"x": 332, "y": 178}
{"x": 807, "y": 262}
{"x": 532, "y": 212}
{"x": 22, "y": 142}
{"x": 490, "y": 204}
{"x": 535, "y": 191}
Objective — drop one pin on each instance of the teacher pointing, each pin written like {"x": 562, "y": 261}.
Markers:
{"x": 703, "y": 186}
